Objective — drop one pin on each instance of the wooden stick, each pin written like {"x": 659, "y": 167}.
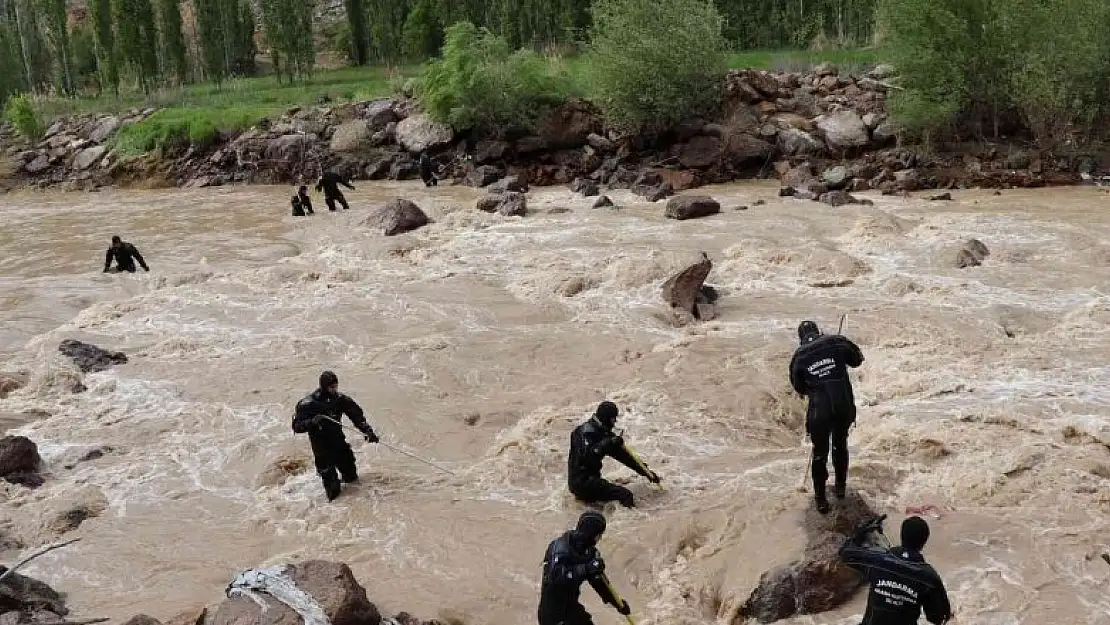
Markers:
{"x": 91, "y": 621}
{"x": 38, "y": 553}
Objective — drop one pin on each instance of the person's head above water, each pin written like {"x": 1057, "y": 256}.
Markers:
{"x": 915, "y": 533}
{"x": 808, "y": 332}
{"x": 303, "y": 190}
{"x": 329, "y": 382}
{"x": 116, "y": 241}
{"x": 606, "y": 414}
{"x": 591, "y": 525}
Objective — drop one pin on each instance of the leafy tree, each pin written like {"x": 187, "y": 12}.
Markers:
{"x": 359, "y": 31}
{"x": 138, "y": 39}
{"x": 100, "y": 14}
{"x": 288, "y": 26}
{"x": 54, "y": 14}
{"x": 174, "y": 60}
{"x": 652, "y": 64}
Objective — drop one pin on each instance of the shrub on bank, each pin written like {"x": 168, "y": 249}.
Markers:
{"x": 179, "y": 128}
{"x": 21, "y": 113}
{"x": 480, "y": 83}
{"x": 652, "y": 64}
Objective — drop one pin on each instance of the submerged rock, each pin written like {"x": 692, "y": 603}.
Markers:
{"x": 819, "y": 582}
{"x": 687, "y": 294}
{"x": 19, "y": 456}
{"x": 692, "y": 207}
{"x": 330, "y": 584}
{"x": 90, "y": 358}
{"x": 508, "y": 204}
{"x": 971, "y": 254}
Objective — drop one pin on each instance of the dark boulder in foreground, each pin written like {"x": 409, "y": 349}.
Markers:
{"x": 819, "y": 582}
{"x": 19, "y": 461}
{"x": 90, "y": 358}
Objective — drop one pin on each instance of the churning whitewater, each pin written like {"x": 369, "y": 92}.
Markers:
{"x": 481, "y": 341}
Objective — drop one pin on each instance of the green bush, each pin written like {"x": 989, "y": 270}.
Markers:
{"x": 20, "y": 111}
{"x": 480, "y": 83}
{"x": 653, "y": 64}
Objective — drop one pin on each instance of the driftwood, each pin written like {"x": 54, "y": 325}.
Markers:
{"x": 36, "y": 554}
{"x": 88, "y": 622}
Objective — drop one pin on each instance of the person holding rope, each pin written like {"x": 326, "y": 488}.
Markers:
{"x": 902, "y": 583}
{"x": 819, "y": 371}
{"x": 590, "y": 443}
{"x": 318, "y": 414}
{"x": 571, "y": 559}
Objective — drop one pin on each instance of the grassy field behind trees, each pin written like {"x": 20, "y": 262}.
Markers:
{"x": 968, "y": 68}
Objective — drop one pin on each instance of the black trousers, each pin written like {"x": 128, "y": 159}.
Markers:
{"x": 827, "y": 431}
{"x": 333, "y": 457}
{"x": 332, "y": 199}
{"x": 575, "y": 615}
{"x": 597, "y": 490}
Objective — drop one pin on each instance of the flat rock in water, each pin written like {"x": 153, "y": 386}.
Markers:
{"x": 18, "y": 455}
{"x": 508, "y": 204}
{"x": 691, "y": 207}
{"x": 513, "y": 184}
{"x": 819, "y": 582}
{"x": 397, "y": 217}
{"x": 330, "y": 584}
{"x": 90, "y": 358}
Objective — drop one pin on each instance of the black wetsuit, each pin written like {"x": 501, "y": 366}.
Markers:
{"x": 565, "y": 566}
{"x": 819, "y": 370}
{"x": 298, "y": 208}
{"x": 589, "y": 444}
{"x": 306, "y": 202}
{"x": 330, "y": 448}
{"x": 125, "y": 255}
{"x": 426, "y": 173}
{"x": 329, "y": 184}
{"x": 902, "y": 584}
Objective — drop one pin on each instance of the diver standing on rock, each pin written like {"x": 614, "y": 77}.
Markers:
{"x": 590, "y": 443}
{"x": 819, "y": 370}
{"x": 319, "y": 414}
{"x": 902, "y": 583}
{"x": 329, "y": 184}
{"x": 571, "y": 559}
{"x": 125, "y": 255}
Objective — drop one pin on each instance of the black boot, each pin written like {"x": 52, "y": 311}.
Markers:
{"x": 820, "y": 499}
{"x": 332, "y": 490}
{"x": 350, "y": 478}
{"x": 840, "y": 489}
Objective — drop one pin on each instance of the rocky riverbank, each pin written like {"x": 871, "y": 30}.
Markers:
{"x": 820, "y": 132}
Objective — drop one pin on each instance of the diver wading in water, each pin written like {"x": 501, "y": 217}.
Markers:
{"x": 590, "y": 443}
{"x": 571, "y": 559}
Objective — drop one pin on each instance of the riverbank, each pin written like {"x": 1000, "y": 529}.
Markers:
{"x": 769, "y": 124}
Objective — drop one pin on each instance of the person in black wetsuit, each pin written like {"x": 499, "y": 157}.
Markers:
{"x": 819, "y": 370}
{"x": 571, "y": 559}
{"x": 125, "y": 255}
{"x": 330, "y": 448}
{"x": 306, "y": 201}
{"x": 298, "y": 208}
{"x": 329, "y": 184}
{"x": 902, "y": 583}
{"x": 426, "y": 173}
{"x": 589, "y": 444}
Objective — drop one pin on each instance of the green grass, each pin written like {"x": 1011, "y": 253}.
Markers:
{"x": 801, "y": 60}
{"x": 352, "y": 83}
{"x": 179, "y": 127}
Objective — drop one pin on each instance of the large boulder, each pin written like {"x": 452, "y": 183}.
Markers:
{"x": 510, "y": 184}
{"x": 90, "y": 358}
{"x": 509, "y": 204}
{"x": 103, "y": 129}
{"x": 844, "y": 130}
{"x": 331, "y": 585}
{"x": 352, "y": 136}
{"x": 419, "y": 133}
{"x": 490, "y": 151}
{"x": 379, "y": 114}
{"x": 28, "y": 595}
{"x": 700, "y": 152}
{"x": 85, "y": 158}
{"x": 687, "y": 294}
{"x": 569, "y": 125}
{"x": 288, "y": 148}
{"x": 585, "y": 187}
{"x": 819, "y": 581}
{"x": 745, "y": 149}
{"x": 797, "y": 142}
{"x": 18, "y": 455}
{"x": 397, "y": 217}
{"x": 691, "y": 207}
{"x": 484, "y": 175}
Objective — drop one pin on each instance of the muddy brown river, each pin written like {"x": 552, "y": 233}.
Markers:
{"x": 481, "y": 341}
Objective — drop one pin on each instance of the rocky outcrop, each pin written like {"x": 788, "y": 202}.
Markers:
{"x": 90, "y": 358}
{"x": 419, "y": 133}
{"x": 26, "y": 597}
{"x": 397, "y": 217}
{"x": 687, "y": 294}
{"x": 819, "y": 581}
{"x": 20, "y": 461}
{"x": 691, "y": 207}
{"x": 971, "y": 253}
{"x": 509, "y": 204}
{"x": 330, "y": 584}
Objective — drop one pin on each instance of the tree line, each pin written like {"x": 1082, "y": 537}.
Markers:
{"x": 147, "y": 44}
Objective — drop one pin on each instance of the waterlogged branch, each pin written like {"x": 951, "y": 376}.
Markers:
{"x": 36, "y": 554}
{"x": 91, "y": 621}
